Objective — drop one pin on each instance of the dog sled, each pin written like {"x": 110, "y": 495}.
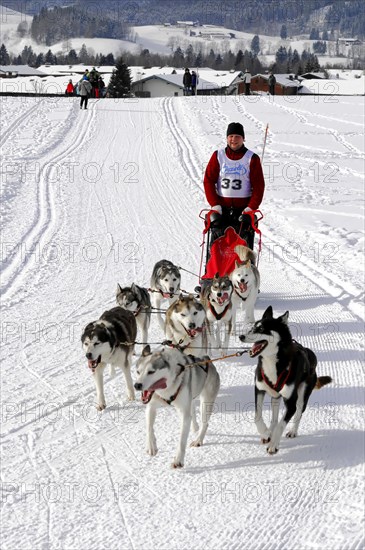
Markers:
{"x": 220, "y": 253}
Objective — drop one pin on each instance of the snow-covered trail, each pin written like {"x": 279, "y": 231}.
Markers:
{"x": 92, "y": 199}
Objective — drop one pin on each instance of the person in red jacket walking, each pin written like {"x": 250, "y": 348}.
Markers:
{"x": 234, "y": 186}
{"x": 70, "y": 90}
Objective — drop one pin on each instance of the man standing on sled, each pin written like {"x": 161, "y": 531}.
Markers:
{"x": 234, "y": 186}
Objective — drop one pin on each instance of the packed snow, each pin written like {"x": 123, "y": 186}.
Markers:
{"x": 93, "y": 199}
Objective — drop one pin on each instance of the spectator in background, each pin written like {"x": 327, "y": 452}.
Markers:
{"x": 247, "y": 80}
{"x": 272, "y": 82}
{"x": 70, "y": 90}
{"x": 101, "y": 87}
{"x": 187, "y": 82}
{"x": 85, "y": 89}
{"x": 194, "y": 82}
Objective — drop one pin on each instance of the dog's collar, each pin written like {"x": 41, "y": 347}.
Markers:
{"x": 173, "y": 397}
{"x": 281, "y": 381}
{"x": 219, "y": 316}
{"x": 238, "y": 294}
{"x": 135, "y": 313}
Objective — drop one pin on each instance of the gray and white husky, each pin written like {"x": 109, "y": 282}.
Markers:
{"x": 137, "y": 300}
{"x": 246, "y": 283}
{"x": 185, "y": 324}
{"x": 217, "y": 300}
{"x": 110, "y": 340}
{"x": 165, "y": 285}
{"x": 169, "y": 377}
{"x": 285, "y": 369}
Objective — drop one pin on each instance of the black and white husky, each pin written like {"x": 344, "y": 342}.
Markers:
{"x": 165, "y": 285}
{"x": 217, "y": 300}
{"x": 110, "y": 340}
{"x": 137, "y": 300}
{"x": 285, "y": 369}
{"x": 246, "y": 283}
{"x": 185, "y": 325}
{"x": 169, "y": 377}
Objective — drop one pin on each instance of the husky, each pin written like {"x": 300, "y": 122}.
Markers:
{"x": 217, "y": 300}
{"x": 185, "y": 324}
{"x": 285, "y": 369}
{"x": 137, "y": 300}
{"x": 110, "y": 340}
{"x": 169, "y": 377}
{"x": 165, "y": 285}
{"x": 246, "y": 282}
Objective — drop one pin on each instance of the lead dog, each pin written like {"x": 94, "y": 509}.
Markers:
{"x": 285, "y": 369}
{"x": 217, "y": 299}
{"x": 137, "y": 300}
{"x": 165, "y": 285}
{"x": 110, "y": 340}
{"x": 169, "y": 377}
{"x": 185, "y": 325}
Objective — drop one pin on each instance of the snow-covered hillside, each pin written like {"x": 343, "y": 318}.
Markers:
{"x": 93, "y": 199}
{"x": 164, "y": 40}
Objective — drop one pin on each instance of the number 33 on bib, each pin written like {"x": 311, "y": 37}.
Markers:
{"x": 234, "y": 176}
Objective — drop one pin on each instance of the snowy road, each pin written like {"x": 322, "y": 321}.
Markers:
{"x": 93, "y": 199}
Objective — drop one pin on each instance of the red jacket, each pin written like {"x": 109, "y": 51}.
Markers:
{"x": 256, "y": 179}
{"x": 70, "y": 88}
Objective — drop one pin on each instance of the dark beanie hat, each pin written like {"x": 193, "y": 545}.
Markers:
{"x": 235, "y": 128}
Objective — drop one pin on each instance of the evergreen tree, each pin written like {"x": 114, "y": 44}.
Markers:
{"x": 40, "y": 60}
{"x": 120, "y": 81}
{"x": 109, "y": 59}
{"x": 189, "y": 56}
{"x": 255, "y": 45}
{"x": 283, "y": 32}
{"x": 4, "y": 56}
{"x": 238, "y": 64}
{"x": 83, "y": 55}
{"x": 178, "y": 58}
{"x": 198, "y": 62}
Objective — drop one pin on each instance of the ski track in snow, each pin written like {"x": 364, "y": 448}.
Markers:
{"x": 76, "y": 478}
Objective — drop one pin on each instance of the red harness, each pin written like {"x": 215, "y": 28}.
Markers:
{"x": 281, "y": 381}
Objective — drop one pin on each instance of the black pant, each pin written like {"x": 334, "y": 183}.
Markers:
{"x": 229, "y": 218}
{"x": 84, "y": 99}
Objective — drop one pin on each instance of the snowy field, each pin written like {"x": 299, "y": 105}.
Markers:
{"x": 92, "y": 199}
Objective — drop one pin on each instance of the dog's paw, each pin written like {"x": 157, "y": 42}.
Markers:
{"x": 131, "y": 397}
{"x": 100, "y": 406}
{"x": 272, "y": 450}
{"x": 291, "y": 434}
{"x": 196, "y": 443}
{"x": 176, "y": 464}
{"x": 152, "y": 449}
{"x": 265, "y": 440}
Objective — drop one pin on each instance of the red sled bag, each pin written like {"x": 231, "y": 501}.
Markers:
{"x": 222, "y": 255}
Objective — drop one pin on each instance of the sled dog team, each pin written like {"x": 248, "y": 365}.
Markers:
{"x": 179, "y": 372}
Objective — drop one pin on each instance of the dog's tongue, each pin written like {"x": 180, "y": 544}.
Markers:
{"x": 167, "y": 295}
{"x": 159, "y": 385}
{"x": 92, "y": 364}
{"x": 223, "y": 298}
{"x": 243, "y": 287}
{"x": 146, "y": 396}
{"x": 192, "y": 332}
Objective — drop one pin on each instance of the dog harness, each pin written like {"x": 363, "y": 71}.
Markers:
{"x": 219, "y": 316}
{"x": 281, "y": 381}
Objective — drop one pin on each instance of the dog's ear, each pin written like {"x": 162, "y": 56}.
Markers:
{"x": 146, "y": 351}
{"x": 135, "y": 290}
{"x": 216, "y": 276}
{"x": 284, "y": 318}
{"x": 181, "y": 297}
{"x": 119, "y": 288}
{"x": 268, "y": 313}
